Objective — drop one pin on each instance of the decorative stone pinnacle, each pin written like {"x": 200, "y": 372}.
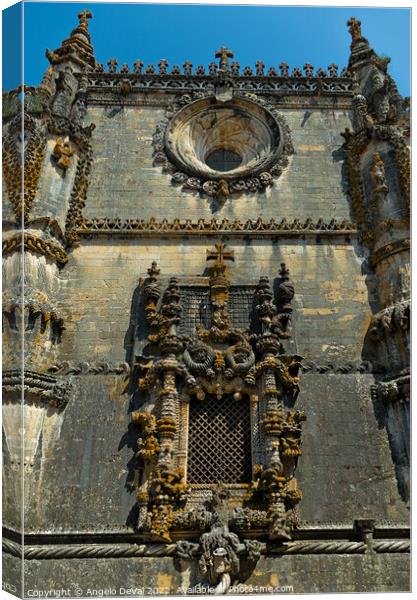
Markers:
{"x": 355, "y": 29}
{"x": 77, "y": 48}
{"x": 333, "y": 70}
{"x": 224, "y": 54}
{"x": 308, "y": 69}
{"x": 153, "y": 271}
{"x": 220, "y": 255}
{"x": 112, "y": 64}
{"x": 284, "y": 272}
{"x": 138, "y": 65}
{"x": 284, "y": 67}
{"x": 163, "y": 66}
{"x": 188, "y": 67}
{"x": 260, "y": 66}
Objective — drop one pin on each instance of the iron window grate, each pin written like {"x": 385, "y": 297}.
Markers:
{"x": 219, "y": 446}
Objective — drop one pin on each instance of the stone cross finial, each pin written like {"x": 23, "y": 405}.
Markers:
{"x": 138, "y": 65}
{"x": 284, "y": 67}
{"x": 188, "y": 67}
{"x": 260, "y": 66}
{"x": 308, "y": 69}
{"x": 354, "y": 29}
{"x": 333, "y": 70}
{"x": 163, "y": 66}
{"x": 112, "y": 64}
{"x": 220, "y": 255}
{"x": 234, "y": 68}
{"x": 224, "y": 54}
{"x": 84, "y": 16}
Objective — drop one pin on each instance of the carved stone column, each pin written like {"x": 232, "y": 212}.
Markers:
{"x": 162, "y": 485}
{"x": 52, "y": 157}
{"x": 275, "y": 478}
{"x": 378, "y": 169}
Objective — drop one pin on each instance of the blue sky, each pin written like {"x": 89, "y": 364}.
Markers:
{"x": 178, "y": 32}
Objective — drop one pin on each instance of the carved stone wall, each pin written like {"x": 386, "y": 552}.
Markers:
{"x": 317, "y": 145}
{"x": 312, "y": 320}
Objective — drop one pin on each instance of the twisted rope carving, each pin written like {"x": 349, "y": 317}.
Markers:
{"x": 325, "y": 548}
{"x": 88, "y": 551}
{"x": 156, "y": 550}
{"x": 32, "y": 242}
{"x": 392, "y": 546}
{"x": 204, "y": 360}
{"x": 85, "y": 368}
{"x": 49, "y": 389}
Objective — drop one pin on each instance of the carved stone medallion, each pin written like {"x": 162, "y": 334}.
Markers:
{"x": 219, "y": 148}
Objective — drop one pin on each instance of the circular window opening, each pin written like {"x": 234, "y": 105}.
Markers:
{"x": 223, "y": 160}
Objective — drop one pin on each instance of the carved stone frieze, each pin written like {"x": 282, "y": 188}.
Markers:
{"x": 215, "y": 227}
{"x": 82, "y": 551}
{"x": 330, "y": 84}
{"x": 309, "y": 366}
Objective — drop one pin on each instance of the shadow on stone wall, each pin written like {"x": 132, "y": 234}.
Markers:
{"x": 390, "y": 414}
{"x": 134, "y": 343}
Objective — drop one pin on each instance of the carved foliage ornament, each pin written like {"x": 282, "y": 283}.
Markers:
{"x": 32, "y": 148}
{"x": 221, "y": 148}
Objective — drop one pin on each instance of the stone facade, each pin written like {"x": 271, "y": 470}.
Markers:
{"x": 216, "y": 386}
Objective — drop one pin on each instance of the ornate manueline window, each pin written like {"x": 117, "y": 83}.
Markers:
{"x": 218, "y": 438}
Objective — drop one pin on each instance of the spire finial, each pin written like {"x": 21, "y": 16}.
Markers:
{"x": 83, "y": 17}
{"x": 355, "y": 29}
{"x": 77, "y": 48}
{"x": 82, "y": 28}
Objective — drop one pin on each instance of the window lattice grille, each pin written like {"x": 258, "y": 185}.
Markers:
{"x": 196, "y": 309}
{"x": 219, "y": 447}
